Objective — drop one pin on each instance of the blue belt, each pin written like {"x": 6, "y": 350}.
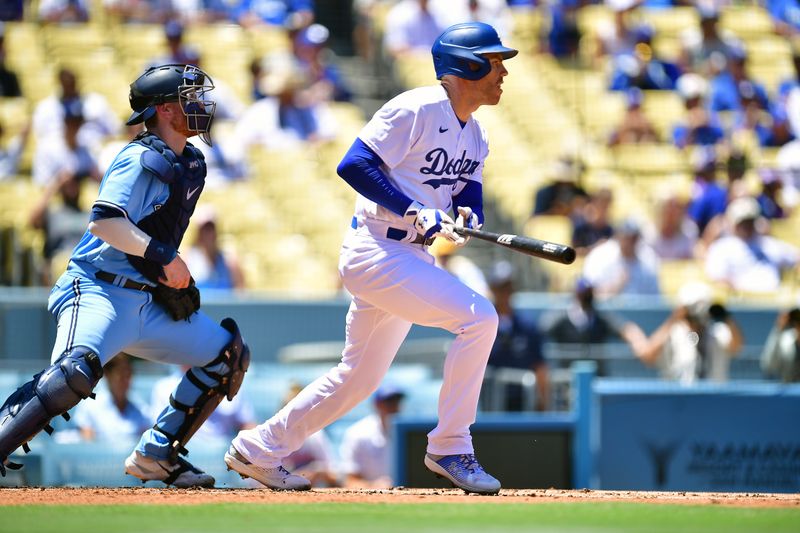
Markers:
{"x": 397, "y": 234}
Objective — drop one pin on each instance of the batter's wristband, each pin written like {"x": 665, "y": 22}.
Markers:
{"x": 161, "y": 253}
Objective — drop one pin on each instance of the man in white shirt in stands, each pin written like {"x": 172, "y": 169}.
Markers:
{"x": 365, "y": 449}
{"x": 745, "y": 260}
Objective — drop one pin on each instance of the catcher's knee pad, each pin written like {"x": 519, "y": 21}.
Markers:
{"x": 51, "y": 393}
{"x": 217, "y": 379}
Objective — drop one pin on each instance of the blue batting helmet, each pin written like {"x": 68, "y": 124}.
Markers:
{"x": 461, "y": 49}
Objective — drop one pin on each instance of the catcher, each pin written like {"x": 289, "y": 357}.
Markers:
{"x": 126, "y": 289}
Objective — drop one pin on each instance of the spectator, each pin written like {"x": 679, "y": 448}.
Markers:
{"x": 66, "y": 153}
{"x": 623, "y": 265}
{"x": 448, "y": 258}
{"x": 314, "y": 459}
{"x": 767, "y": 128}
{"x": 746, "y": 260}
{"x": 785, "y": 16}
{"x": 592, "y": 225}
{"x": 178, "y": 51}
{"x": 64, "y": 11}
{"x": 735, "y": 168}
{"x": 564, "y": 194}
{"x": 366, "y": 446}
{"x": 699, "y": 126}
{"x": 781, "y": 355}
{"x": 727, "y": 85}
{"x": 285, "y": 118}
{"x": 230, "y": 416}
{"x": 518, "y": 345}
{"x": 11, "y": 153}
{"x": 9, "y": 83}
{"x": 63, "y": 223}
{"x": 704, "y": 50}
{"x": 413, "y": 28}
{"x": 280, "y": 13}
{"x": 619, "y": 37}
{"x": 674, "y": 236}
{"x": 100, "y": 121}
{"x": 583, "y": 324}
{"x": 140, "y": 11}
{"x": 327, "y": 83}
{"x": 114, "y": 415}
{"x": 210, "y": 266}
{"x": 564, "y": 35}
{"x": 708, "y": 198}
{"x": 788, "y": 158}
{"x": 635, "y": 127}
{"x": 697, "y": 341}
{"x": 641, "y": 67}
{"x": 792, "y": 82}
{"x": 770, "y": 197}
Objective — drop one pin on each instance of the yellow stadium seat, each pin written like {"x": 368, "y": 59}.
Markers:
{"x": 639, "y": 159}
{"x": 745, "y": 21}
{"x": 675, "y": 274}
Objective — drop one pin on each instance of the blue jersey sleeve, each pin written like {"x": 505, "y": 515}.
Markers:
{"x": 125, "y": 186}
{"x": 361, "y": 169}
{"x": 470, "y": 196}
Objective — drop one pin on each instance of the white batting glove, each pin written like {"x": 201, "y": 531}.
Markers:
{"x": 431, "y": 222}
{"x": 466, "y": 219}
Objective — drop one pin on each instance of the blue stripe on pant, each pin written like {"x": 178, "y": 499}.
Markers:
{"x": 108, "y": 320}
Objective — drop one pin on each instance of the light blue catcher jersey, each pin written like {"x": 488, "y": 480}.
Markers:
{"x": 135, "y": 193}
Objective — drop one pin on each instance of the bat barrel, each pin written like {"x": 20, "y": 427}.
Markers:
{"x": 551, "y": 251}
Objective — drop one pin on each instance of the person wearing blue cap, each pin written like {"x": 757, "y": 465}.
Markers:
{"x": 726, "y": 87}
{"x": 365, "y": 448}
{"x": 709, "y": 198}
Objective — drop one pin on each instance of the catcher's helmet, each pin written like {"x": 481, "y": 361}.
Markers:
{"x": 461, "y": 49}
{"x": 186, "y": 84}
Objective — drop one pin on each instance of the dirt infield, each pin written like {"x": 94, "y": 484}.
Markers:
{"x": 129, "y": 496}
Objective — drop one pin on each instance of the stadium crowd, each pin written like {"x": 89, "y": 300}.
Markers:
{"x": 723, "y": 213}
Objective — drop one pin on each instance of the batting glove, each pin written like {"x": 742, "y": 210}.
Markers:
{"x": 431, "y": 222}
{"x": 466, "y": 219}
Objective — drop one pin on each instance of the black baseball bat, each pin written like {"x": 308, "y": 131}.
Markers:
{"x": 560, "y": 253}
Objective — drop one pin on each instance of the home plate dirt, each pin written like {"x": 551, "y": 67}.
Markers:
{"x": 136, "y": 496}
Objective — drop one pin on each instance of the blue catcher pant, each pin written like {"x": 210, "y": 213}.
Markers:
{"x": 108, "y": 319}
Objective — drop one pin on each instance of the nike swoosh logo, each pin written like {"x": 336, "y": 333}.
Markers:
{"x": 189, "y": 194}
{"x": 442, "y": 130}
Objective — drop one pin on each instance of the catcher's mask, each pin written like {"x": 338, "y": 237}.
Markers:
{"x": 185, "y": 84}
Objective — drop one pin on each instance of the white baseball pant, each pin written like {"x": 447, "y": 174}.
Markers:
{"x": 393, "y": 285}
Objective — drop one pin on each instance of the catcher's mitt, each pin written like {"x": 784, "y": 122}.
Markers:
{"x": 180, "y": 304}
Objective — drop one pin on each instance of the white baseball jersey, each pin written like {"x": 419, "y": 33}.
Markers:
{"x": 427, "y": 155}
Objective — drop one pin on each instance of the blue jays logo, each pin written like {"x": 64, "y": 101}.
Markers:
{"x": 441, "y": 164}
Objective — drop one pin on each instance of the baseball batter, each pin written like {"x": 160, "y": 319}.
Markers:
{"x": 420, "y": 157}
{"x": 126, "y": 289}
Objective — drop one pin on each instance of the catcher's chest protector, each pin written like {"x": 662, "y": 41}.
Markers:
{"x": 185, "y": 175}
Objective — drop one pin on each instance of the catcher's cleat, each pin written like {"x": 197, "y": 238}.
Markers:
{"x": 179, "y": 474}
{"x": 464, "y": 472}
{"x": 277, "y": 478}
